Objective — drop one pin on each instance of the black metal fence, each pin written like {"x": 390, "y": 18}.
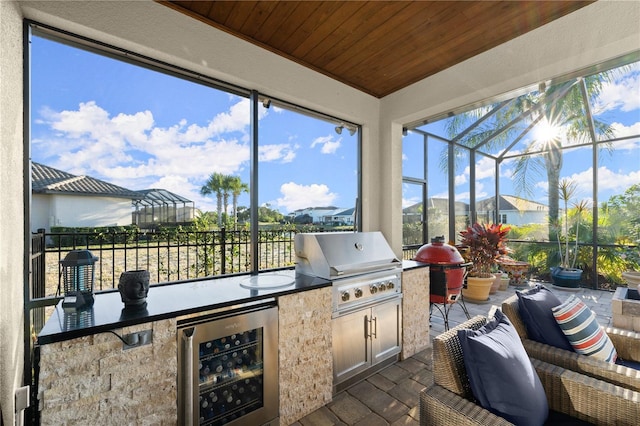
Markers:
{"x": 168, "y": 255}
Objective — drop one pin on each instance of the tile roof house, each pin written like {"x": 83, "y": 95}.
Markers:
{"x": 513, "y": 211}
{"x": 64, "y": 199}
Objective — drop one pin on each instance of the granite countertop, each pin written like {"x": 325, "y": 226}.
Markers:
{"x": 412, "y": 264}
{"x": 169, "y": 301}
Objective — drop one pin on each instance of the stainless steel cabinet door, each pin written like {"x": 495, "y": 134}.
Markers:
{"x": 350, "y": 345}
{"x": 385, "y": 330}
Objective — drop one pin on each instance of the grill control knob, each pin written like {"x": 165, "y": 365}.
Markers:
{"x": 373, "y": 289}
{"x": 345, "y": 296}
{"x": 390, "y": 285}
{"x": 357, "y": 292}
{"x": 381, "y": 287}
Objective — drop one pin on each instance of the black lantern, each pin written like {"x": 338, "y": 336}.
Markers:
{"x": 78, "y": 275}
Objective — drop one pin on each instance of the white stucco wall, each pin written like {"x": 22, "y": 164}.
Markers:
{"x": 75, "y": 210}
{"x": 12, "y": 233}
{"x": 49, "y": 210}
{"x": 40, "y": 212}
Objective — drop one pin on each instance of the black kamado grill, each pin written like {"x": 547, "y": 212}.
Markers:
{"x": 447, "y": 271}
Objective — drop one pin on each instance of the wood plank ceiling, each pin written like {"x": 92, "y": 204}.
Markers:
{"x": 377, "y": 47}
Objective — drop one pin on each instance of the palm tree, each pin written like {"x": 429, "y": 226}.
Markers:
{"x": 215, "y": 185}
{"x": 227, "y": 184}
{"x": 237, "y": 187}
{"x": 562, "y": 106}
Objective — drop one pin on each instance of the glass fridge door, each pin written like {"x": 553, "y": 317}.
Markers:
{"x": 233, "y": 370}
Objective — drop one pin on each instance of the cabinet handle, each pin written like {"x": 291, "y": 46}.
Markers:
{"x": 187, "y": 337}
{"x": 374, "y": 333}
{"x": 366, "y": 327}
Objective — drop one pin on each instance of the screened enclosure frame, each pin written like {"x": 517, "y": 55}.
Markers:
{"x": 483, "y": 146}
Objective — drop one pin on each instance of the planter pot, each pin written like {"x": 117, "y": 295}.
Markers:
{"x": 632, "y": 278}
{"x": 504, "y": 281}
{"x": 134, "y": 287}
{"x": 517, "y": 271}
{"x": 566, "y": 277}
{"x": 478, "y": 288}
{"x": 495, "y": 286}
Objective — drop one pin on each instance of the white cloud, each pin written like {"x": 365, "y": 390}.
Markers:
{"x": 608, "y": 180}
{"x": 463, "y": 178}
{"x": 296, "y": 196}
{"x": 283, "y": 152}
{"x": 484, "y": 169}
{"x": 127, "y": 149}
{"x": 623, "y": 94}
{"x": 328, "y": 144}
{"x": 466, "y": 196}
{"x": 408, "y": 202}
{"x": 620, "y": 131}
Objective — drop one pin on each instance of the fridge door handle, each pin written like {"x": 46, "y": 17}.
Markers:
{"x": 187, "y": 345}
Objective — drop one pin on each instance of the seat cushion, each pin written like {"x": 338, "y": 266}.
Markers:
{"x": 580, "y": 326}
{"x": 500, "y": 373}
{"x": 535, "y": 306}
{"x": 626, "y": 363}
{"x": 561, "y": 419}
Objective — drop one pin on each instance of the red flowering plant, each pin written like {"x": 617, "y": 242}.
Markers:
{"x": 484, "y": 244}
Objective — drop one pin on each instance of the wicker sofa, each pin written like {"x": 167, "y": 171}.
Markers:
{"x": 449, "y": 401}
{"x": 627, "y": 344}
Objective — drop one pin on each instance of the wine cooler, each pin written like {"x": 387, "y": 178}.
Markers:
{"x": 228, "y": 367}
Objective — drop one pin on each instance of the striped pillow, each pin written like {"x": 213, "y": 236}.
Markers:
{"x": 586, "y": 336}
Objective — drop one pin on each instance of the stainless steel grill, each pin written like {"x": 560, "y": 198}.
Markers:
{"x": 366, "y": 298}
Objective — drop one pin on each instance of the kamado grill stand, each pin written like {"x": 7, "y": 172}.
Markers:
{"x": 447, "y": 273}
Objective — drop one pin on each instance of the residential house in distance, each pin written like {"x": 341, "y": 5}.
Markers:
{"x": 315, "y": 214}
{"x": 512, "y": 210}
{"x": 342, "y": 217}
{"x": 64, "y": 199}
{"x": 438, "y": 207}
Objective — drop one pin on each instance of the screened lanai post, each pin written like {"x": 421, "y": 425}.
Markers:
{"x": 473, "y": 214}
{"x": 496, "y": 200}
{"x": 425, "y": 190}
{"x": 594, "y": 169}
{"x": 253, "y": 188}
{"x": 452, "y": 193}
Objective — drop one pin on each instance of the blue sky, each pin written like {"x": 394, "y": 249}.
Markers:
{"x": 140, "y": 129}
{"x": 93, "y": 115}
{"x": 618, "y": 105}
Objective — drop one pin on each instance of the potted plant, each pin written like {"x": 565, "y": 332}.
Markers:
{"x": 632, "y": 258}
{"x": 566, "y": 274}
{"x": 483, "y": 245}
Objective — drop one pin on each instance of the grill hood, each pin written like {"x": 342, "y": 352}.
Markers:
{"x": 333, "y": 255}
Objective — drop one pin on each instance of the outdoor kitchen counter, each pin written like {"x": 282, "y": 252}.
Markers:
{"x": 165, "y": 301}
{"x": 412, "y": 264}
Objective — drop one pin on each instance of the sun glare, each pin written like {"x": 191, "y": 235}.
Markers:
{"x": 546, "y": 131}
